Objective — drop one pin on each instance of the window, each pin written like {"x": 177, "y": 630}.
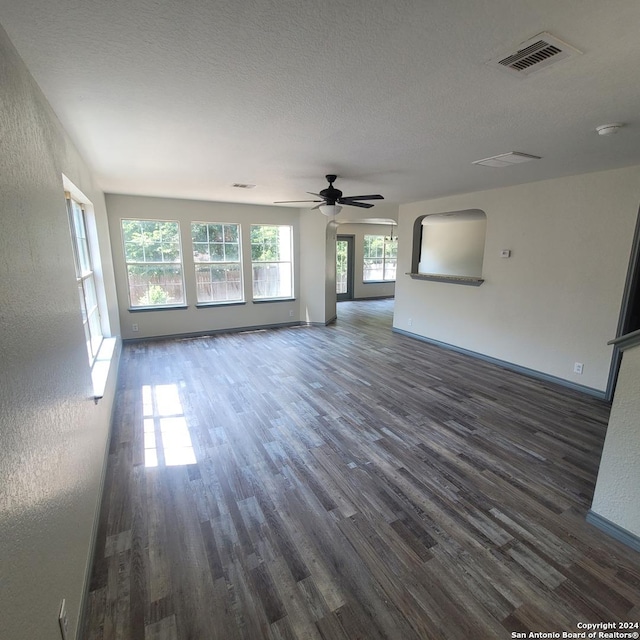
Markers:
{"x": 216, "y": 253}
{"x": 154, "y": 263}
{"x": 380, "y": 259}
{"x": 85, "y": 278}
{"x": 271, "y": 249}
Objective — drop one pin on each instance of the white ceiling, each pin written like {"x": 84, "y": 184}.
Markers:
{"x": 182, "y": 98}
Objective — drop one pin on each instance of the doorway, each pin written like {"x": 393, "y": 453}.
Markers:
{"x": 344, "y": 267}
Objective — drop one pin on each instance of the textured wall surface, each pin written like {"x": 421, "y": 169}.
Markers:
{"x": 557, "y": 299}
{"x": 616, "y": 495}
{"x": 52, "y": 435}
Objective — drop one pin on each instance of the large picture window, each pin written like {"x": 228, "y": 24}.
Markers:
{"x": 154, "y": 262}
{"x": 380, "y": 259}
{"x": 85, "y": 278}
{"x": 272, "y": 264}
{"x": 216, "y": 253}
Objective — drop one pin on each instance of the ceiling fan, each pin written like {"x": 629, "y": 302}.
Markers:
{"x": 332, "y": 198}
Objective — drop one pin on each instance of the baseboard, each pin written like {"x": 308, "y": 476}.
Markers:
{"x": 611, "y": 529}
{"x": 532, "y": 373}
{"x": 212, "y": 332}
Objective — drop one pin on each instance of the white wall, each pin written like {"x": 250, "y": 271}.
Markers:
{"x": 363, "y": 289}
{"x": 53, "y": 436}
{"x": 315, "y": 268}
{"x": 616, "y": 494}
{"x": 556, "y": 301}
{"x": 452, "y": 247}
{"x": 330, "y": 295}
{"x": 158, "y": 322}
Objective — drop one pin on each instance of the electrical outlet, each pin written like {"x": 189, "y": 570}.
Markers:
{"x": 134, "y": 326}
{"x": 578, "y": 368}
{"x": 291, "y": 313}
{"x": 410, "y": 321}
{"x": 63, "y": 621}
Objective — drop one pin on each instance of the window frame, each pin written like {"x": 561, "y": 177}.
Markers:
{"x": 238, "y": 262}
{"x": 85, "y": 277}
{"x": 179, "y": 264}
{"x": 384, "y": 257}
{"x": 290, "y": 295}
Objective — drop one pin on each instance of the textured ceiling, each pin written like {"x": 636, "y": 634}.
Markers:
{"x": 182, "y": 98}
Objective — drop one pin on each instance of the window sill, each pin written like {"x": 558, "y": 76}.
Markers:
{"x": 265, "y": 300}
{"x": 101, "y": 367}
{"x": 231, "y": 303}
{"x": 467, "y": 280}
{"x": 158, "y": 308}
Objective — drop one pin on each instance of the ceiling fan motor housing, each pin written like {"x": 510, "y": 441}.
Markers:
{"x": 331, "y": 194}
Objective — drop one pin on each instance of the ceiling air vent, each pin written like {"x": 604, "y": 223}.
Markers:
{"x": 506, "y": 159}
{"x": 243, "y": 185}
{"x": 539, "y": 52}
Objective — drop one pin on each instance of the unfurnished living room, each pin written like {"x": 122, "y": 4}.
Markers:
{"x": 319, "y": 320}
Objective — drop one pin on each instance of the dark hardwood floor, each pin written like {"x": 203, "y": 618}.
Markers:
{"x": 348, "y": 482}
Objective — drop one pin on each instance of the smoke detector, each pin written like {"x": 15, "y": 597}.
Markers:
{"x": 535, "y": 54}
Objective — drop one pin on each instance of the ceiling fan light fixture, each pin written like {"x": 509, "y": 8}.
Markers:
{"x": 330, "y": 210}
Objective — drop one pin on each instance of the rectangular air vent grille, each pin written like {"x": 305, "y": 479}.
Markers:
{"x": 243, "y": 185}
{"x": 539, "y": 52}
{"x": 506, "y": 159}
{"x": 534, "y": 54}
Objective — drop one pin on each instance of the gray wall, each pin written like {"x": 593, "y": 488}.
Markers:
{"x": 158, "y": 322}
{"x": 52, "y": 436}
{"x": 452, "y": 246}
{"x": 556, "y": 300}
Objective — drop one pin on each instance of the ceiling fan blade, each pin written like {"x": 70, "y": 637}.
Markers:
{"x": 316, "y": 207}
{"x": 376, "y": 196}
{"x": 291, "y": 201}
{"x": 314, "y": 194}
{"x": 364, "y": 205}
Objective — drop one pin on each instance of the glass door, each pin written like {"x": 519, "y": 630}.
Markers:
{"x": 344, "y": 267}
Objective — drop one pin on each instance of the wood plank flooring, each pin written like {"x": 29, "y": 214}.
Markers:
{"x": 348, "y": 483}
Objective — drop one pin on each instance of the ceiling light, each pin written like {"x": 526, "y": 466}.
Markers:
{"x": 506, "y": 159}
{"x": 609, "y": 129}
{"x": 330, "y": 209}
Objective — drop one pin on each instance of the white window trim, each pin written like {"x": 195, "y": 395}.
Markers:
{"x": 151, "y": 307}
{"x": 239, "y": 262}
{"x": 383, "y": 257}
{"x": 258, "y": 262}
